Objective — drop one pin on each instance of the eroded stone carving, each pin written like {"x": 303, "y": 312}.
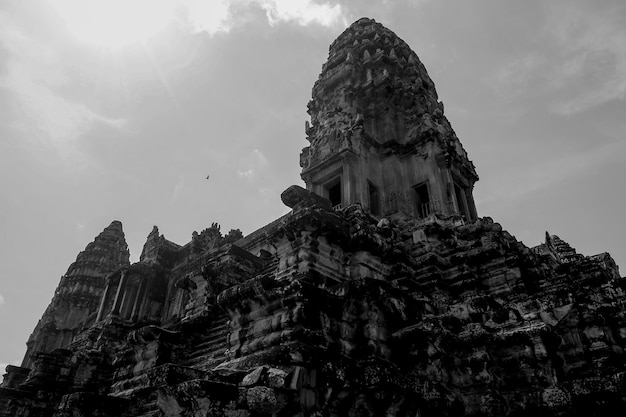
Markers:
{"x": 337, "y": 312}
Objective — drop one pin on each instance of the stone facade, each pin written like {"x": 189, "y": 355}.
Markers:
{"x": 378, "y": 133}
{"x": 78, "y": 295}
{"x": 372, "y": 297}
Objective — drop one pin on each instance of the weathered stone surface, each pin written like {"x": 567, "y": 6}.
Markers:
{"x": 345, "y": 312}
{"x": 378, "y": 135}
{"x": 297, "y": 197}
{"x": 78, "y": 294}
{"x": 15, "y": 376}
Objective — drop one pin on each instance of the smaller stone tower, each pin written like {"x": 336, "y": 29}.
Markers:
{"x": 378, "y": 135}
{"x": 78, "y": 294}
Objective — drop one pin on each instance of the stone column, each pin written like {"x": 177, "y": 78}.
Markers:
{"x": 178, "y": 309}
{"x": 470, "y": 202}
{"x": 107, "y": 289}
{"x": 449, "y": 195}
{"x": 139, "y": 299}
{"x": 347, "y": 186}
{"x": 117, "y": 304}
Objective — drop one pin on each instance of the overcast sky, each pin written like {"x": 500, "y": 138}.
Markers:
{"x": 120, "y": 111}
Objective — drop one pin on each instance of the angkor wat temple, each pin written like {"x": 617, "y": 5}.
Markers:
{"x": 381, "y": 293}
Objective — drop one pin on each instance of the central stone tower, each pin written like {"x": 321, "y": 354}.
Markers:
{"x": 335, "y": 313}
{"x": 378, "y": 135}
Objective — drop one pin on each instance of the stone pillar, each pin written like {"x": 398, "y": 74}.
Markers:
{"x": 142, "y": 307}
{"x": 180, "y": 304}
{"x": 107, "y": 289}
{"x": 448, "y": 195}
{"x": 117, "y": 304}
{"x": 363, "y": 173}
{"x": 470, "y": 202}
{"x": 346, "y": 186}
{"x": 139, "y": 299}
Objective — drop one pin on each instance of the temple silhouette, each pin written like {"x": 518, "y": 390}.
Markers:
{"x": 381, "y": 293}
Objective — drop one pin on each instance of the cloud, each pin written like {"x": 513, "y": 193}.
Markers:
{"x": 252, "y": 165}
{"x": 209, "y": 16}
{"x": 516, "y": 77}
{"x": 46, "y": 116}
{"x": 303, "y": 12}
{"x": 178, "y": 187}
{"x": 549, "y": 172}
{"x": 594, "y": 53}
{"x": 247, "y": 174}
{"x": 576, "y": 62}
{"x": 35, "y": 79}
{"x": 219, "y": 16}
{"x": 1, "y": 299}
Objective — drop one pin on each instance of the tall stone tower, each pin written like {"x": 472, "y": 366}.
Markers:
{"x": 378, "y": 135}
{"x": 332, "y": 313}
{"x": 78, "y": 294}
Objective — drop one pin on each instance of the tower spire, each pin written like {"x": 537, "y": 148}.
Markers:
{"x": 78, "y": 293}
{"x": 378, "y": 135}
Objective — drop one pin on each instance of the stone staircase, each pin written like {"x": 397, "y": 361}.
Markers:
{"x": 212, "y": 347}
{"x": 149, "y": 409}
{"x": 144, "y": 407}
{"x": 150, "y": 400}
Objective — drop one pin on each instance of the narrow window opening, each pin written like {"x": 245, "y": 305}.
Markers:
{"x": 471, "y": 207}
{"x": 422, "y": 200}
{"x": 373, "y": 197}
{"x": 461, "y": 201}
{"x": 334, "y": 193}
{"x": 130, "y": 292}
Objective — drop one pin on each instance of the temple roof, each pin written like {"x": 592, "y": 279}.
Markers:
{"x": 372, "y": 79}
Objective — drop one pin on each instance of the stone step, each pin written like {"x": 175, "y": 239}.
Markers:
{"x": 212, "y": 347}
{"x": 151, "y": 413}
{"x": 146, "y": 409}
{"x": 210, "y": 363}
{"x": 222, "y": 318}
{"x": 200, "y": 356}
{"x": 207, "y": 352}
{"x": 212, "y": 338}
{"x": 209, "y": 345}
{"x": 224, "y": 328}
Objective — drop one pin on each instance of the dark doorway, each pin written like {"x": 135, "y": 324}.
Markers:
{"x": 461, "y": 201}
{"x": 421, "y": 198}
{"x": 373, "y": 195}
{"x": 334, "y": 193}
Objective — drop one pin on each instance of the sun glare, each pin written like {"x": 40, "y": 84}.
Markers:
{"x": 114, "y": 23}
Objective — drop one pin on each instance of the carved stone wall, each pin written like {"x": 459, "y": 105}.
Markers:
{"x": 378, "y": 131}
{"x": 352, "y": 315}
{"x": 78, "y": 294}
{"x": 337, "y": 311}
